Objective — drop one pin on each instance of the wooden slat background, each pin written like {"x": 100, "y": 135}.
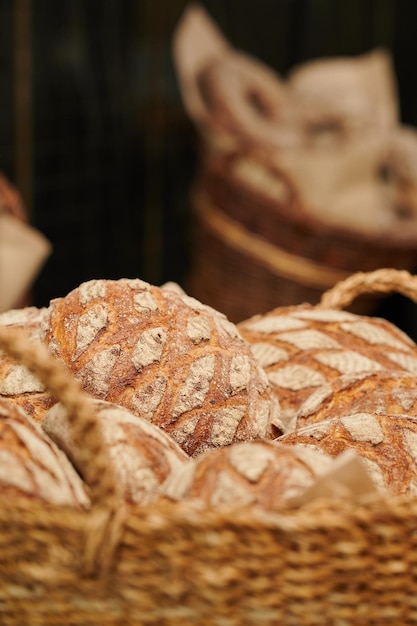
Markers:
{"x": 107, "y": 163}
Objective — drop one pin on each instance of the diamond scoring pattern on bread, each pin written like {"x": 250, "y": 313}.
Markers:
{"x": 157, "y": 354}
{"x": 254, "y": 472}
{"x": 17, "y": 384}
{"x": 142, "y": 455}
{"x": 374, "y": 334}
{"x": 383, "y": 391}
{"x": 31, "y": 464}
{"x": 386, "y": 443}
{"x": 404, "y": 361}
{"x": 347, "y": 361}
{"x": 164, "y": 356}
{"x": 302, "y": 347}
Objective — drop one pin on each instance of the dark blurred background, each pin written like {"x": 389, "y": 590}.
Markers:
{"x": 94, "y": 134}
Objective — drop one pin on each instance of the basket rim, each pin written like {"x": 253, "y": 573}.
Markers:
{"x": 302, "y": 216}
{"x": 320, "y": 513}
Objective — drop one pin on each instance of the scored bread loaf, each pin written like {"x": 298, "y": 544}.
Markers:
{"x": 165, "y": 357}
{"x": 302, "y": 347}
{"x": 386, "y": 443}
{"x": 31, "y": 463}
{"x": 254, "y": 472}
{"x": 142, "y": 455}
{"x": 382, "y": 391}
{"x": 17, "y": 384}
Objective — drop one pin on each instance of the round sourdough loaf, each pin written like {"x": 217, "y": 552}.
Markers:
{"x": 31, "y": 464}
{"x": 303, "y": 347}
{"x": 386, "y": 443}
{"x": 382, "y": 391}
{"x": 165, "y": 357}
{"x": 17, "y": 384}
{"x": 254, "y": 472}
{"x": 142, "y": 455}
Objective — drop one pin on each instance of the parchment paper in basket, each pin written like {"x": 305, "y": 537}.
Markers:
{"x": 366, "y": 189}
{"x": 340, "y": 89}
{"x": 347, "y": 478}
{"x": 344, "y": 90}
{"x": 196, "y": 41}
{"x": 23, "y": 251}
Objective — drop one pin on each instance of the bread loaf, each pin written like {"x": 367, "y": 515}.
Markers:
{"x": 386, "y": 443}
{"x": 166, "y": 358}
{"x": 303, "y": 347}
{"x": 18, "y": 385}
{"x": 143, "y": 456}
{"x": 256, "y": 472}
{"x": 382, "y": 391}
{"x": 31, "y": 464}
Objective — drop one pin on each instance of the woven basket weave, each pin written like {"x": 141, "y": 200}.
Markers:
{"x": 251, "y": 253}
{"x": 327, "y": 563}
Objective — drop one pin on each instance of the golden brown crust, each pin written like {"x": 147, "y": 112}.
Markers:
{"x": 301, "y": 348}
{"x": 142, "y": 455}
{"x": 17, "y": 385}
{"x": 386, "y": 443}
{"x": 30, "y": 463}
{"x": 256, "y": 472}
{"x": 165, "y": 357}
{"x": 383, "y": 391}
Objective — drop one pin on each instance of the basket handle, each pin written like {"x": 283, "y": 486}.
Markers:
{"x": 103, "y": 526}
{"x": 385, "y": 280}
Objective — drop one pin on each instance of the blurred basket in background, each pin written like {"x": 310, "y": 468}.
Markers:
{"x": 256, "y": 247}
{"x": 301, "y": 181}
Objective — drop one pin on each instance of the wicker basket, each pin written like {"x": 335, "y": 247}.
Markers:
{"x": 251, "y": 254}
{"x": 328, "y": 563}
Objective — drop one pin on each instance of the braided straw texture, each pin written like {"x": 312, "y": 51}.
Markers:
{"x": 177, "y": 565}
{"x": 329, "y": 562}
{"x": 384, "y": 280}
{"x": 243, "y": 273}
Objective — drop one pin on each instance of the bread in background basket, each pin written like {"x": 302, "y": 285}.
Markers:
{"x": 301, "y": 180}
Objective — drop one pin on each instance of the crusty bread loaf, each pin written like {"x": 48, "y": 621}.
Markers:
{"x": 31, "y": 464}
{"x": 382, "y": 391}
{"x": 165, "y": 357}
{"x": 142, "y": 455}
{"x": 254, "y": 472}
{"x": 17, "y": 384}
{"x": 386, "y": 443}
{"x": 302, "y": 347}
